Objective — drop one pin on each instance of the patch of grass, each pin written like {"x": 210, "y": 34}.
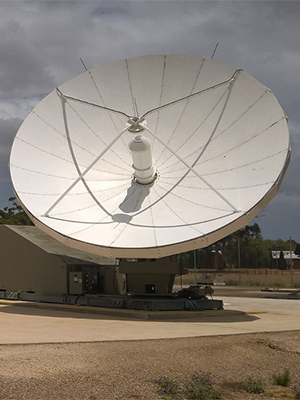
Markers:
{"x": 297, "y": 391}
{"x": 253, "y": 283}
{"x": 168, "y": 388}
{"x": 279, "y": 392}
{"x": 278, "y": 285}
{"x": 234, "y": 385}
{"x": 200, "y": 387}
{"x": 255, "y": 386}
{"x": 283, "y": 379}
{"x": 231, "y": 282}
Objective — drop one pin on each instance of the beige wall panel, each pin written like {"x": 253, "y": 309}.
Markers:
{"x": 25, "y": 267}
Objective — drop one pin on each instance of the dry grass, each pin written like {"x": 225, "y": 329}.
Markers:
{"x": 280, "y": 392}
{"x": 248, "y": 277}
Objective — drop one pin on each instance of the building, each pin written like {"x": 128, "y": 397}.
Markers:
{"x": 289, "y": 256}
{"x": 36, "y": 267}
{"x": 33, "y": 262}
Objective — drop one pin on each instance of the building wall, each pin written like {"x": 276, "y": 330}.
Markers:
{"x": 165, "y": 265}
{"x": 25, "y": 267}
{"x": 161, "y": 283}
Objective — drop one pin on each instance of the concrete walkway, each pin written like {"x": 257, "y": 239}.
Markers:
{"x": 22, "y": 322}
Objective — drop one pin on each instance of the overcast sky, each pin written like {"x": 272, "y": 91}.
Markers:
{"x": 41, "y": 43}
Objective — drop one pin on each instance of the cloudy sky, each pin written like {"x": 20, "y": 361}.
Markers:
{"x": 41, "y": 43}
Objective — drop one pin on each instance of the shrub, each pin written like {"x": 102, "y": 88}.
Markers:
{"x": 231, "y": 282}
{"x": 199, "y": 387}
{"x": 253, "y": 283}
{"x": 297, "y": 391}
{"x": 278, "y": 285}
{"x": 282, "y": 379}
{"x": 255, "y": 386}
{"x": 168, "y": 388}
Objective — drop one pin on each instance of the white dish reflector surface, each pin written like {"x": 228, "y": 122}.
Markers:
{"x": 219, "y": 156}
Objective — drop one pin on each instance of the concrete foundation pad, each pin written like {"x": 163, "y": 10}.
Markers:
{"x": 123, "y": 313}
{"x": 29, "y": 322}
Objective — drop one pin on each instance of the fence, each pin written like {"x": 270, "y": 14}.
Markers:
{"x": 263, "y": 277}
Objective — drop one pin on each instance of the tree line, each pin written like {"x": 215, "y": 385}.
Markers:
{"x": 244, "y": 248}
{"x": 14, "y": 214}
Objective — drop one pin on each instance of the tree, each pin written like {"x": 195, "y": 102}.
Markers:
{"x": 253, "y": 251}
{"x": 297, "y": 249}
{"x": 187, "y": 260}
{"x": 14, "y": 215}
{"x": 281, "y": 261}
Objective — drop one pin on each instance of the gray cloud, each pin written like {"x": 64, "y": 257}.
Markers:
{"x": 41, "y": 44}
{"x": 23, "y": 71}
{"x": 8, "y": 129}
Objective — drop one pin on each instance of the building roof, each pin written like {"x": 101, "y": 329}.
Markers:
{"x": 53, "y": 246}
{"x": 286, "y": 254}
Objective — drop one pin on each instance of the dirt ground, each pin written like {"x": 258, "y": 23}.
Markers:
{"x": 128, "y": 370}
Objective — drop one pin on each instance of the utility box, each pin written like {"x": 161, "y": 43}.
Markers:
{"x": 77, "y": 282}
{"x": 97, "y": 280}
{"x": 84, "y": 281}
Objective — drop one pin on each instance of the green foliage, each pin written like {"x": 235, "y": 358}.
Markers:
{"x": 297, "y": 249}
{"x": 255, "y": 386}
{"x": 277, "y": 284}
{"x": 285, "y": 244}
{"x": 14, "y": 215}
{"x": 231, "y": 282}
{"x": 168, "y": 388}
{"x": 255, "y": 252}
{"x": 199, "y": 387}
{"x": 283, "y": 379}
{"x": 187, "y": 259}
{"x": 253, "y": 283}
{"x": 281, "y": 261}
{"x": 297, "y": 391}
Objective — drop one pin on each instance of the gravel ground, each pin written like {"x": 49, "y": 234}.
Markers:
{"x": 128, "y": 370}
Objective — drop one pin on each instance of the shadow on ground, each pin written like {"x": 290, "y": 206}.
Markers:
{"x": 213, "y": 316}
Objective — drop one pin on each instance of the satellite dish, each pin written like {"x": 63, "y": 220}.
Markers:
{"x": 150, "y": 156}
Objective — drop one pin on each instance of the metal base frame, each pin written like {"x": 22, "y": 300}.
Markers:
{"x": 121, "y": 302}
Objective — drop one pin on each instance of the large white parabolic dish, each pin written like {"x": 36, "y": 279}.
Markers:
{"x": 220, "y": 154}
